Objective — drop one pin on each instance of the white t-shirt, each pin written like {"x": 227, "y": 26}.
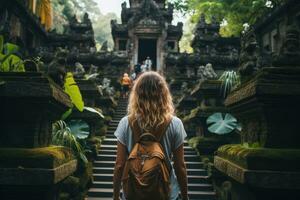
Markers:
{"x": 173, "y": 138}
{"x": 144, "y": 68}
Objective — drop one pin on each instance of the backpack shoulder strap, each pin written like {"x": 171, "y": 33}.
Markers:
{"x": 158, "y": 132}
{"x": 136, "y": 130}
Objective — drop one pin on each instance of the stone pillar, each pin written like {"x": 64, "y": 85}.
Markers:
{"x": 266, "y": 164}
{"x": 29, "y": 167}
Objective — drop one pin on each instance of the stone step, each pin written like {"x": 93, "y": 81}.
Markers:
{"x": 104, "y": 163}
{"x": 108, "y": 192}
{"x": 107, "y": 152}
{"x": 98, "y": 198}
{"x": 109, "y": 141}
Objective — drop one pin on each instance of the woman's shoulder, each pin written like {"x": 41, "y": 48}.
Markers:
{"x": 176, "y": 120}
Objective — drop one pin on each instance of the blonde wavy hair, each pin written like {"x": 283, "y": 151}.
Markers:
{"x": 150, "y": 101}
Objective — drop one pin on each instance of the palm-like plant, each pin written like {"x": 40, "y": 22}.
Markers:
{"x": 63, "y": 136}
{"x": 230, "y": 80}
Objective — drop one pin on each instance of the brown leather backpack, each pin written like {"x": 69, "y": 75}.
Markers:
{"x": 147, "y": 173}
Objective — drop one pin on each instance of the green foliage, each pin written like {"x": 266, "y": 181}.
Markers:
{"x": 79, "y": 128}
{"x": 236, "y": 13}
{"x": 230, "y": 80}
{"x": 102, "y": 28}
{"x": 62, "y": 136}
{"x": 45, "y": 157}
{"x": 12, "y": 63}
{"x": 261, "y": 158}
{"x": 185, "y": 42}
{"x": 95, "y": 110}
{"x": 72, "y": 89}
{"x": 9, "y": 61}
{"x": 221, "y": 124}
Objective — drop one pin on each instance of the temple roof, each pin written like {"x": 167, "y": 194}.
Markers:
{"x": 135, "y": 3}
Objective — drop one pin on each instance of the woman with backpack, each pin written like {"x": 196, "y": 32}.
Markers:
{"x": 148, "y": 139}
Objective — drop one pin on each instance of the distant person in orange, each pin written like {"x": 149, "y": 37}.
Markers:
{"x": 126, "y": 83}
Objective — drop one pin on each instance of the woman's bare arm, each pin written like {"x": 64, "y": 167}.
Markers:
{"x": 180, "y": 171}
{"x": 119, "y": 167}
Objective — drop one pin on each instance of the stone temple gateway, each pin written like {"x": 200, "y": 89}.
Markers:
{"x": 147, "y": 30}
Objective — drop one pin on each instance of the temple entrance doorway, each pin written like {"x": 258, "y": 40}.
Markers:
{"x": 147, "y": 47}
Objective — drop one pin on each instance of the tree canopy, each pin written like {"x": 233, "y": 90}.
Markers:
{"x": 233, "y": 14}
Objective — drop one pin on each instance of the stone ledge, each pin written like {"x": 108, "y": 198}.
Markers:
{"x": 279, "y": 82}
{"x": 38, "y": 176}
{"x": 258, "y": 178}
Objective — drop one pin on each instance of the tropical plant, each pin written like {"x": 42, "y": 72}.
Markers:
{"x": 230, "y": 80}
{"x": 235, "y": 13}
{"x": 72, "y": 89}
{"x": 9, "y": 59}
{"x": 222, "y": 123}
{"x": 95, "y": 110}
{"x": 62, "y": 136}
{"x": 79, "y": 128}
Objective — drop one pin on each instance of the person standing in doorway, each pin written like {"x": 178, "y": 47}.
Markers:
{"x": 151, "y": 111}
{"x": 148, "y": 62}
{"x": 144, "y": 67}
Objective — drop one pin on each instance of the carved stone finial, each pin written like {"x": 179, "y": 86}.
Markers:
{"x": 249, "y": 55}
{"x": 289, "y": 54}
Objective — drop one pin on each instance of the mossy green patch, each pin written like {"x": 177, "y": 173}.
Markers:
{"x": 262, "y": 158}
{"x": 209, "y": 144}
{"x": 47, "y": 157}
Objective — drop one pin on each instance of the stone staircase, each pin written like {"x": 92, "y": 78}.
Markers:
{"x": 102, "y": 189}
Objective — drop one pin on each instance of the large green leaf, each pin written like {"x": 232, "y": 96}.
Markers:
{"x": 72, "y": 89}
{"x": 97, "y": 111}
{"x": 79, "y": 128}
{"x": 221, "y": 124}
{"x": 10, "y": 48}
{"x": 12, "y": 63}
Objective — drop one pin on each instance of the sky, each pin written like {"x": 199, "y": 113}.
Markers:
{"x": 107, "y": 6}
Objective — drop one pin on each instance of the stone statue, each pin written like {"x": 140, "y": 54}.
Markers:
{"x": 206, "y": 72}
{"x": 93, "y": 69}
{"x": 124, "y": 12}
{"x": 200, "y": 72}
{"x": 57, "y": 67}
{"x": 107, "y": 88}
{"x": 79, "y": 70}
{"x": 209, "y": 72}
{"x": 86, "y": 19}
{"x": 249, "y": 55}
{"x": 289, "y": 54}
